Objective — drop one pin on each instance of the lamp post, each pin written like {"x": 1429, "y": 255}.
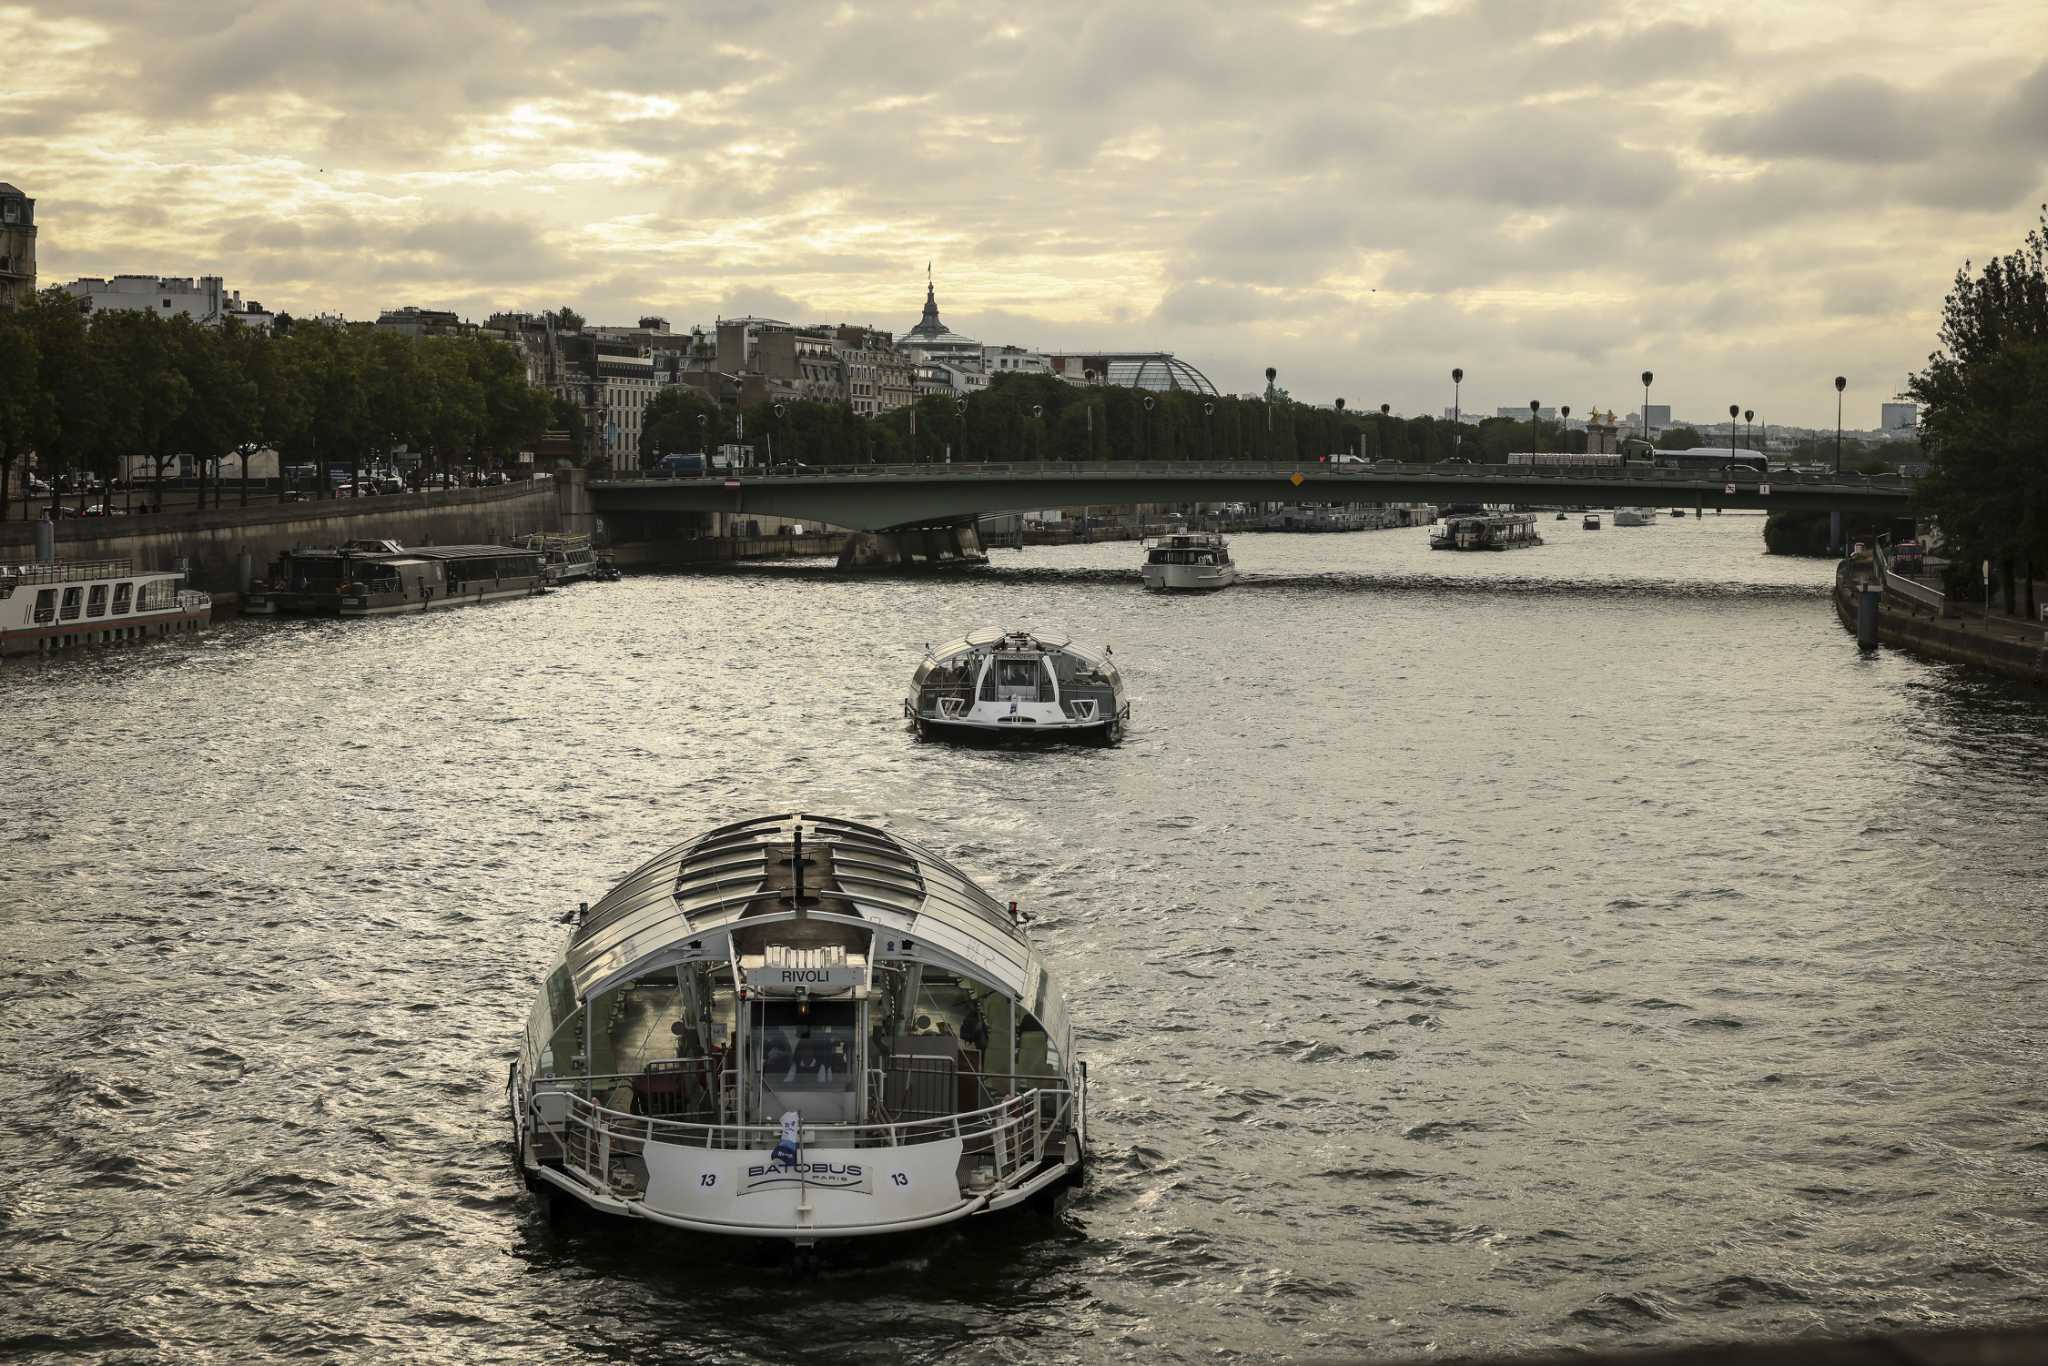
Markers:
{"x": 1038, "y": 430}
{"x": 960, "y": 406}
{"x": 777, "y": 410}
{"x": 1386, "y": 412}
{"x": 1647, "y": 377}
{"x": 1457, "y": 381}
{"x": 1748, "y": 416}
{"x": 1536, "y": 422}
{"x": 1841, "y": 383}
{"x": 1209, "y": 428}
{"x": 704, "y": 439}
{"x": 1340, "y": 419}
{"x": 1271, "y": 375}
{"x": 1564, "y": 443}
{"x": 1145, "y": 436}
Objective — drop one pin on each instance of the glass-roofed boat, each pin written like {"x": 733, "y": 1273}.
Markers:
{"x": 995, "y": 684}
{"x": 803, "y": 1028}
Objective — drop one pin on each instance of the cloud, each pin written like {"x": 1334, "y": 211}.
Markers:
{"x": 1361, "y": 191}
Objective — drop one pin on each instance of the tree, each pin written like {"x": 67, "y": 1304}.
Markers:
{"x": 680, "y": 417}
{"x": 1984, "y": 404}
{"x": 1680, "y": 439}
{"x": 565, "y": 319}
{"x": 22, "y": 399}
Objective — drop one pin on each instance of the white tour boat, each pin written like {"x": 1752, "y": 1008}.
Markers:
{"x": 797, "y": 1027}
{"x": 1635, "y": 516}
{"x": 1189, "y": 560}
{"x": 1007, "y": 684}
{"x": 566, "y": 557}
{"x": 61, "y": 605}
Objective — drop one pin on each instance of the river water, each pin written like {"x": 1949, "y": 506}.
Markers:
{"x": 1471, "y": 952}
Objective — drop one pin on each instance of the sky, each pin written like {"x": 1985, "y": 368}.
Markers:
{"x": 1746, "y": 197}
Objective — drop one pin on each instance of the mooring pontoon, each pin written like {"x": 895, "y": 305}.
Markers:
{"x": 802, "y": 1028}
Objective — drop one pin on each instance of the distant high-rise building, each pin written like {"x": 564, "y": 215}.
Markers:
{"x": 17, "y": 244}
{"x": 1899, "y": 417}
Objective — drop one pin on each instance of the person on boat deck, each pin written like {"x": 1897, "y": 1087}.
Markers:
{"x": 807, "y": 1065}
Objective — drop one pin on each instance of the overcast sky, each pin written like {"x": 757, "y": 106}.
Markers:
{"x": 1747, "y": 197}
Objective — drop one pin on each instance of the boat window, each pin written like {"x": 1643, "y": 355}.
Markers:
{"x": 122, "y": 593}
{"x": 1017, "y": 673}
{"x": 72, "y": 598}
{"x": 96, "y": 603}
{"x": 46, "y": 604}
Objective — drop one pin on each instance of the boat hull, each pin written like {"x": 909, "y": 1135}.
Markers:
{"x": 1106, "y": 732}
{"x": 71, "y": 635}
{"x": 1189, "y": 578}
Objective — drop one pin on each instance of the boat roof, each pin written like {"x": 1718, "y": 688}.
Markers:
{"x": 992, "y": 638}
{"x": 399, "y": 554}
{"x": 741, "y": 871}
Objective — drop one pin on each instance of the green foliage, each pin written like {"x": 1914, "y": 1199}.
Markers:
{"x": 670, "y": 424}
{"x": 86, "y": 394}
{"x": 1681, "y": 439}
{"x": 1984, "y": 405}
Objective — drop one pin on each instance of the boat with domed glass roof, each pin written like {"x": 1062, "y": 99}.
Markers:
{"x": 799, "y": 1027}
{"x": 995, "y": 684}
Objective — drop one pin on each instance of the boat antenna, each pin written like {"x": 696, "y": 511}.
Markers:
{"x": 796, "y": 867}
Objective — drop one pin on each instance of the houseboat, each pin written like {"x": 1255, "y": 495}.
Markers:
{"x": 801, "y": 1028}
{"x": 1189, "y": 560}
{"x": 995, "y": 684}
{"x": 1487, "y": 531}
{"x": 1591, "y": 522}
{"x": 568, "y": 557}
{"x": 50, "y": 606}
{"x": 379, "y": 578}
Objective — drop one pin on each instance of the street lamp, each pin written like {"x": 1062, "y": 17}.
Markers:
{"x": 1038, "y": 436}
{"x": 1841, "y": 383}
{"x": 777, "y": 410}
{"x": 960, "y": 407}
{"x": 1147, "y": 436}
{"x": 1536, "y": 422}
{"x": 1748, "y": 416}
{"x": 1209, "y": 427}
{"x": 1734, "y": 411}
{"x": 1564, "y": 444}
{"x": 1647, "y": 377}
{"x": 1457, "y": 379}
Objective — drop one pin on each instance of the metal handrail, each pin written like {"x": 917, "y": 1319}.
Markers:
{"x": 1901, "y": 585}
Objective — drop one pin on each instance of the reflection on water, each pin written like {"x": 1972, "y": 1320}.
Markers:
{"x": 1562, "y": 946}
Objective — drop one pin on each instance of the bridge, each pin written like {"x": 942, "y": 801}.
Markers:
{"x": 895, "y": 499}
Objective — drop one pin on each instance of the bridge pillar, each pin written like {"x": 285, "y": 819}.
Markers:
{"x": 1835, "y": 532}
{"x": 912, "y": 546}
{"x": 573, "y": 508}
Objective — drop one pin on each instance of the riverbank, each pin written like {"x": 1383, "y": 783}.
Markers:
{"x": 2013, "y": 649}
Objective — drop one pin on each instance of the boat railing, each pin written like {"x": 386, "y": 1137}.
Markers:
{"x": 604, "y": 1147}
{"x": 71, "y": 571}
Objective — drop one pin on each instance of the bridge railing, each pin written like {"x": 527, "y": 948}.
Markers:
{"x": 1378, "y": 471}
{"x": 1897, "y": 585}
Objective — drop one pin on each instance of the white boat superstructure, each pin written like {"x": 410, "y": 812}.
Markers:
{"x": 1189, "y": 560}
{"x": 802, "y": 1028}
{"x": 50, "y": 606}
{"x": 1635, "y": 516}
{"x": 1016, "y": 684}
{"x": 565, "y": 556}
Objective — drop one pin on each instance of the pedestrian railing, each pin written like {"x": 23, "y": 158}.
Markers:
{"x": 1897, "y": 585}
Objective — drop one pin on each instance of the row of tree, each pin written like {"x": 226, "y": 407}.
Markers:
{"x": 1022, "y": 417}
{"x": 88, "y": 394}
{"x": 1984, "y": 407}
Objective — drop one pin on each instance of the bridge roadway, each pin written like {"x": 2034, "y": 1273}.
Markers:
{"x": 894, "y": 497}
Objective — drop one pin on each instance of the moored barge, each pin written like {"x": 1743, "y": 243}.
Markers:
{"x": 378, "y": 578}
{"x": 50, "y": 606}
{"x": 1487, "y": 531}
{"x": 802, "y": 1028}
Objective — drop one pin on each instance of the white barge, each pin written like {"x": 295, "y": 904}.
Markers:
{"x": 50, "y": 606}
{"x": 801, "y": 1028}
{"x": 1016, "y": 685}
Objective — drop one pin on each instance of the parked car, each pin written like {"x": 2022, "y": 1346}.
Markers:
{"x": 103, "y": 510}
{"x": 1908, "y": 558}
{"x": 1383, "y": 460}
{"x": 388, "y": 483}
